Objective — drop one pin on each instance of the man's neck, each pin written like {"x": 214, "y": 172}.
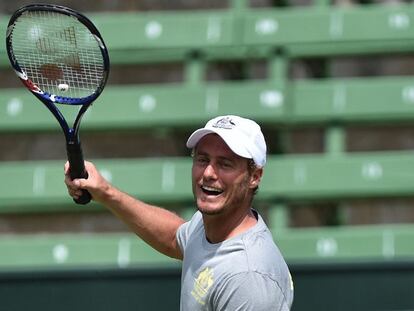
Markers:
{"x": 220, "y": 227}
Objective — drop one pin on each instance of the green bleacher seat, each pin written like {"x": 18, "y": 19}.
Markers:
{"x": 37, "y": 186}
{"x": 380, "y": 99}
{"x": 340, "y": 244}
{"x": 69, "y": 250}
{"x": 311, "y": 101}
{"x": 149, "y": 106}
{"x": 223, "y": 34}
{"x": 165, "y": 36}
{"x": 347, "y": 244}
{"x": 373, "y": 174}
{"x": 330, "y": 30}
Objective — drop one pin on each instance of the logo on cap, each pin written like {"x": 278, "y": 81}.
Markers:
{"x": 224, "y": 123}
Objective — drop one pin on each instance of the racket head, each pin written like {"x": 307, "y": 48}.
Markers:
{"x": 58, "y": 54}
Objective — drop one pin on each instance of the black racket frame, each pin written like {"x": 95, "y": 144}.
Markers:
{"x": 73, "y": 144}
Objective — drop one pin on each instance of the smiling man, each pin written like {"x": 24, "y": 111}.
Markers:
{"x": 230, "y": 261}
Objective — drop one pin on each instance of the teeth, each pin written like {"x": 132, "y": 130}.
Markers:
{"x": 207, "y": 188}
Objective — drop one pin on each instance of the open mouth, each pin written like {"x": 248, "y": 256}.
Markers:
{"x": 211, "y": 190}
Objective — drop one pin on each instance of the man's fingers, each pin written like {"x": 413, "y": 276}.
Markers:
{"x": 77, "y": 186}
{"x": 75, "y": 193}
{"x": 74, "y": 187}
{"x": 66, "y": 168}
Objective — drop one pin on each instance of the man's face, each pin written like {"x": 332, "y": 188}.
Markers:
{"x": 221, "y": 179}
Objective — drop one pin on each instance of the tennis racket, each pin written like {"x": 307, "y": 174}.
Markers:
{"x": 60, "y": 56}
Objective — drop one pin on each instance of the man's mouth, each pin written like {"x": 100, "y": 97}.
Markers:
{"x": 211, "y": 190}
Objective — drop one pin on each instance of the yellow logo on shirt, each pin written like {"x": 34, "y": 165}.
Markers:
{"x": 202, "y": 284}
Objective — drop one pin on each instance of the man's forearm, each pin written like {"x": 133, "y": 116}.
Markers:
{"x": 155, "y": 225}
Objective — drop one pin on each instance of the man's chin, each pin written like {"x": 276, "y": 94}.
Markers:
{"x": 209, "y": 210}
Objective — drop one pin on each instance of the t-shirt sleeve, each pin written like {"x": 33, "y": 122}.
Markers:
{"x": 251, "y": 291}
{"x": 185, "y": 230}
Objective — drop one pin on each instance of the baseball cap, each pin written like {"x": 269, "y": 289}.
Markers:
{"x": 243, "y": 136}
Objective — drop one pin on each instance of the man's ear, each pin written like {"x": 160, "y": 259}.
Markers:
{"x": 256, "y": 177}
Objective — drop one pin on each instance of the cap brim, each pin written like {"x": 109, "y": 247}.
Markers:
{"x": 197, "y": 135}
{"x": 234, "y": 146}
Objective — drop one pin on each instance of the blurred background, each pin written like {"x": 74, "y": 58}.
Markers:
{"x": 329, "y": 82}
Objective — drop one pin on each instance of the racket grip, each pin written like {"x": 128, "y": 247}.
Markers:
{"x": 77, "y": 170}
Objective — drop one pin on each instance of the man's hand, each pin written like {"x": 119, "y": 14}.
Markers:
{"x": 95, "y": 183}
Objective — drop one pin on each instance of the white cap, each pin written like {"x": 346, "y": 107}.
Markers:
{"x": 243, "y": 136}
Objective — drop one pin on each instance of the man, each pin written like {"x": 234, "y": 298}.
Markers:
{"x": 230, "y": 261}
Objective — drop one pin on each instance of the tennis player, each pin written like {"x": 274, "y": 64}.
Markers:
{"x": 230, "y": 261}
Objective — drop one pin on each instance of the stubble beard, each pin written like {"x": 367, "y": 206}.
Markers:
{"x": 238, "y": 197}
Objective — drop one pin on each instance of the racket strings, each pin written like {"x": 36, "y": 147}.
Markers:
{"x": 58, "y": 53}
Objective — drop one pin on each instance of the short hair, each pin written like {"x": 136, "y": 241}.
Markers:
{"x": 251, "y": 166}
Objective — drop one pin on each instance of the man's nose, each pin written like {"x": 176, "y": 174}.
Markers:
{"x": 210, "y": 171}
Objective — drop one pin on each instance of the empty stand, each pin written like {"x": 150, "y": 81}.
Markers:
{"x": 275, "y": 36}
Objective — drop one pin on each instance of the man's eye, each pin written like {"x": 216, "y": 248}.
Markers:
{"x": 226, "y": 164}
{"x": 201, "y": 160}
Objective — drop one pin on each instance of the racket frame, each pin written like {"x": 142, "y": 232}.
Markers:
{"x": 73, "y": 145}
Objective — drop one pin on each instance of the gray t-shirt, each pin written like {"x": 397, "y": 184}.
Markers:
{"x": 246, "y": 272}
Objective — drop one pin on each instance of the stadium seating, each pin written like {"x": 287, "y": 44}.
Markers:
{"x": 277, "y": 36}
